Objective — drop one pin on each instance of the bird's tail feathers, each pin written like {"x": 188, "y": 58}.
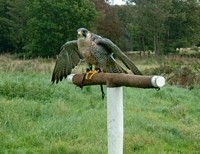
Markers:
{"x": 132, "y": 67}
{"x": 126, "y": 61}
{"x": 120, "y": 69}
{"x": 115, "y": 67}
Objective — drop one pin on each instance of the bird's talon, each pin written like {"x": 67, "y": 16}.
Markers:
{"x": 93, "y": 73}
{"x": 87, "y": 74}
{"x": 90, "y": 74}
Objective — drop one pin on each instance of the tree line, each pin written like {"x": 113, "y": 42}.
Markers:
{"x": 40, "y": 27}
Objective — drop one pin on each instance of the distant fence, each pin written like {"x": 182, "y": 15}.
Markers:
{"x": 180, "y": 52}
{"x": 140, "y": 53}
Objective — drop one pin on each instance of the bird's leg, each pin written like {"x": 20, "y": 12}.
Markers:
{"x": 88, "y": 76}
{"x": 102, "y": 92}
{"x": 101, "y": 86}
{"x": 93, "y": 73}
{"x": 88, "y": 72}
{"x": 81, "y": 86}
{"x": 85, "y": 76}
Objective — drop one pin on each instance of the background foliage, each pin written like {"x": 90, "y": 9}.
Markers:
{"x": 39, "y": 28}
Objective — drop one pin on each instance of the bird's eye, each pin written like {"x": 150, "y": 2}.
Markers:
{"x": 84, "y": 33}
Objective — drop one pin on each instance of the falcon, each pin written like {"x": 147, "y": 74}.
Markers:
{"x": 95, "y": 50}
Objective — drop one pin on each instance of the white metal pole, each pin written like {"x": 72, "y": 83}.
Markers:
{"x": 115, "y": 122}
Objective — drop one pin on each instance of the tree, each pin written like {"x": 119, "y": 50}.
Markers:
{"x": 164, "y": 25}
{"x": 5, "y": 23}
{"x": 151, "y": 17}
{"x": 183, "y": 25}
{"x": 51, "y": 23}
{"x": 130, "y": 28}
{"x": 18, "y": 18}
{"x": 107, "y": 22}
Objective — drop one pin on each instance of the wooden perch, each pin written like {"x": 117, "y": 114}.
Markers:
{"x": 114, "y": 82}
{"x": 118, "y": 79}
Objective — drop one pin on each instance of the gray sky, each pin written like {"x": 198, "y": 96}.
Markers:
{"x": 119, "y": 2}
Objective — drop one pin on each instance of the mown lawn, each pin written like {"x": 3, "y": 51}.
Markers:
{"x": 38, "y": 117}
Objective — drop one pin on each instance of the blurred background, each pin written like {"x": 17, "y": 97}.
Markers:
{"x": 39, "y": 28}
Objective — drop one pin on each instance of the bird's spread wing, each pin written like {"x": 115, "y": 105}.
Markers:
{"x": 68, "y": 58}
{"x": 111, "y": 47}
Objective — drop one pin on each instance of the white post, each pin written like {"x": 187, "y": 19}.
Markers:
{"x": 115, "y": 120}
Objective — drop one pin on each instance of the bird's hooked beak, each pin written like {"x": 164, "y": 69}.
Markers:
{"x": 82, "y": 32}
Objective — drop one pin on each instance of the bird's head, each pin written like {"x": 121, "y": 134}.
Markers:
{"x": 83, "y": 32}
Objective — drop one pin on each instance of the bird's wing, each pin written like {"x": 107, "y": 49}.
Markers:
{"x": 112, "y": 48}
{"x": 68, "y": 58}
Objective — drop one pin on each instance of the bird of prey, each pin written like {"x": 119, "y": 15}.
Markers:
{"x": 96, "y": 50}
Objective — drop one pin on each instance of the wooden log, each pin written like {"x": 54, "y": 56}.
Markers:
{"x": 118, "y": 79}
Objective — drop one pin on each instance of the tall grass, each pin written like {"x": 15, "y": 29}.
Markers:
{"x": 38, "y": 117}
{"x": 8, "y": 63}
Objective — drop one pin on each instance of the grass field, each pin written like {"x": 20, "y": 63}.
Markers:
{"x": 37, "y": 117}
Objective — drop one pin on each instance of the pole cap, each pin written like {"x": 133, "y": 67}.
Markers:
{"x": 70, "y": 77}
{"x": 158, "y": 81}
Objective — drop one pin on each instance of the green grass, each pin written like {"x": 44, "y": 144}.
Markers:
{"x": 38, "y": 117}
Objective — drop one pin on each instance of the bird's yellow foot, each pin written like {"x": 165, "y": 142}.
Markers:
{"x": 87, "y": 74}
{"x": 93, "y": 73}
{"x": 90, "y": 74}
